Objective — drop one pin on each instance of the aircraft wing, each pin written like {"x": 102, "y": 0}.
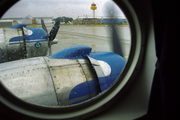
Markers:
{"x": 20, "y": 26}
{"x": 70, "y": 76}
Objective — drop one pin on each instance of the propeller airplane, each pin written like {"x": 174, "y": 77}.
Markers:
{"x": 18, "y": 42}
{"x": 67, "y": 77}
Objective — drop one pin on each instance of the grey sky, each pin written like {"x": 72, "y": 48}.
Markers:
{"x": 56, "y": 8}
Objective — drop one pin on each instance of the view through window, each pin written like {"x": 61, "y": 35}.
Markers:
{"x": 62, "y": 52}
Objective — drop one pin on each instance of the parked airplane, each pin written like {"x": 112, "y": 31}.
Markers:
{"x": 18, "y": 42}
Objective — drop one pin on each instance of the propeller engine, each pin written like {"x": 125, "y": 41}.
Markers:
{"x": 52, "y": 33}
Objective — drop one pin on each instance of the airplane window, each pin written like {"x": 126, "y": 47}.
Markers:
{"x": 62, "y": 52}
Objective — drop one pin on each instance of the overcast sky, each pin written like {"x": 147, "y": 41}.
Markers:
{"x": 59, "y": 8}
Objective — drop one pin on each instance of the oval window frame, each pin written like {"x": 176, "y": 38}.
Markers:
{"x": 99, "y": 103}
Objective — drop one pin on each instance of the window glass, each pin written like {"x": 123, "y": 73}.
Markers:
{"x": 62, "y": 52}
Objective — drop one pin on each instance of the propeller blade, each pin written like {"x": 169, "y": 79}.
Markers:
{"x": 50, "y": 50}
{"x": 115, "y": 39}
{"x": 53, "y": 34}
{"x": 54, "y": 30}
{"x": 43, "y": 26}
{"x": 117, "y": 48}
{"x": 45, "y": 29}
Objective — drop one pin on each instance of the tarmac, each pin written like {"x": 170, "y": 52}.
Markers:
{"x": 98, "y": 38}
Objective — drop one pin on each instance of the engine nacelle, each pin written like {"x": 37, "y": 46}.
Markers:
{"x": 68, "y": 77}
{"x": 20, "y": 43}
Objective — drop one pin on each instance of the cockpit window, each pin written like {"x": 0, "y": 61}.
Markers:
{"x": 62, "y": 52}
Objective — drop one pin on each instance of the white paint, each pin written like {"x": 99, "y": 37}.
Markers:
{"x": 105, "y": 67}
{"x": 27, "y": 32}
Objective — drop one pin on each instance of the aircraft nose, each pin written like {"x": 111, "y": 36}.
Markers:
{"x": 111, "y": 65}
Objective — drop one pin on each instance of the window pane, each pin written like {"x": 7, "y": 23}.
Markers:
{"x": 70, "y": 67}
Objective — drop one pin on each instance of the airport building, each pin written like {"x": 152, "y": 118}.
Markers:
{"x": 87, "y": 21}
{"x": 30, "y": 20}
{"x": 8, "y": 22}
{"x": 116, "y": 19}
{"x": 98, "y": 20}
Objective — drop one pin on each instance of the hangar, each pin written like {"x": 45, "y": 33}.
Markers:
{"x": 8, "y": 22}
{"x": 46, "y": 20}
{"x": 30, "y": 20}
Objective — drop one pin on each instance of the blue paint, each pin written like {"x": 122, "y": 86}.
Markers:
{"x": 79, "y": 101}
{"x": 19, "y": 40}
{"x": 83, "y": 89}
{"x": 72, "y": 52}
{"x": 104, "y": 87}
{"x": 102, "y": 80}
{"x": 108, "y": 20}
{"x": 79, "y": 91}
{"x": 103, "y": 83}
{"x": 20, "y": 26}
{"x": 94, "y": 86}
{"x": 38, "y": 33}
{"x": 16, "y": 39}
{"x": 116, "y": 63}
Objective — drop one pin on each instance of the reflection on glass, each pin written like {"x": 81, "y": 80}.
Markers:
{"x": 45, "y": 64}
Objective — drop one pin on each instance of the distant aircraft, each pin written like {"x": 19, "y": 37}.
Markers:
{"x": 18, "y": 42}
{"x": 68, "y": 77}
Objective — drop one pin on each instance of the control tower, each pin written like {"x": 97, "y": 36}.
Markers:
{"x": 93, "y": 8}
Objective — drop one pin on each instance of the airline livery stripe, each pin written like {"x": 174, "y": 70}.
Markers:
{"x": 27, "y": 41}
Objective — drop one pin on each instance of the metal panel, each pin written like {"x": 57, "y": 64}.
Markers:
{"x": 90, "y": 75}
{"x": 60, "y": 62}
{"x": 66, "y": 74}
{"x": 14, "y": 43}
{"x": 32, "y": 51}
{"x": 98, "y": 66}
{"x": 29, "y": 80}
{"x": 85, "y": 90}
{"x": 3, "y": 51}
{"x": 36, "y": 42}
